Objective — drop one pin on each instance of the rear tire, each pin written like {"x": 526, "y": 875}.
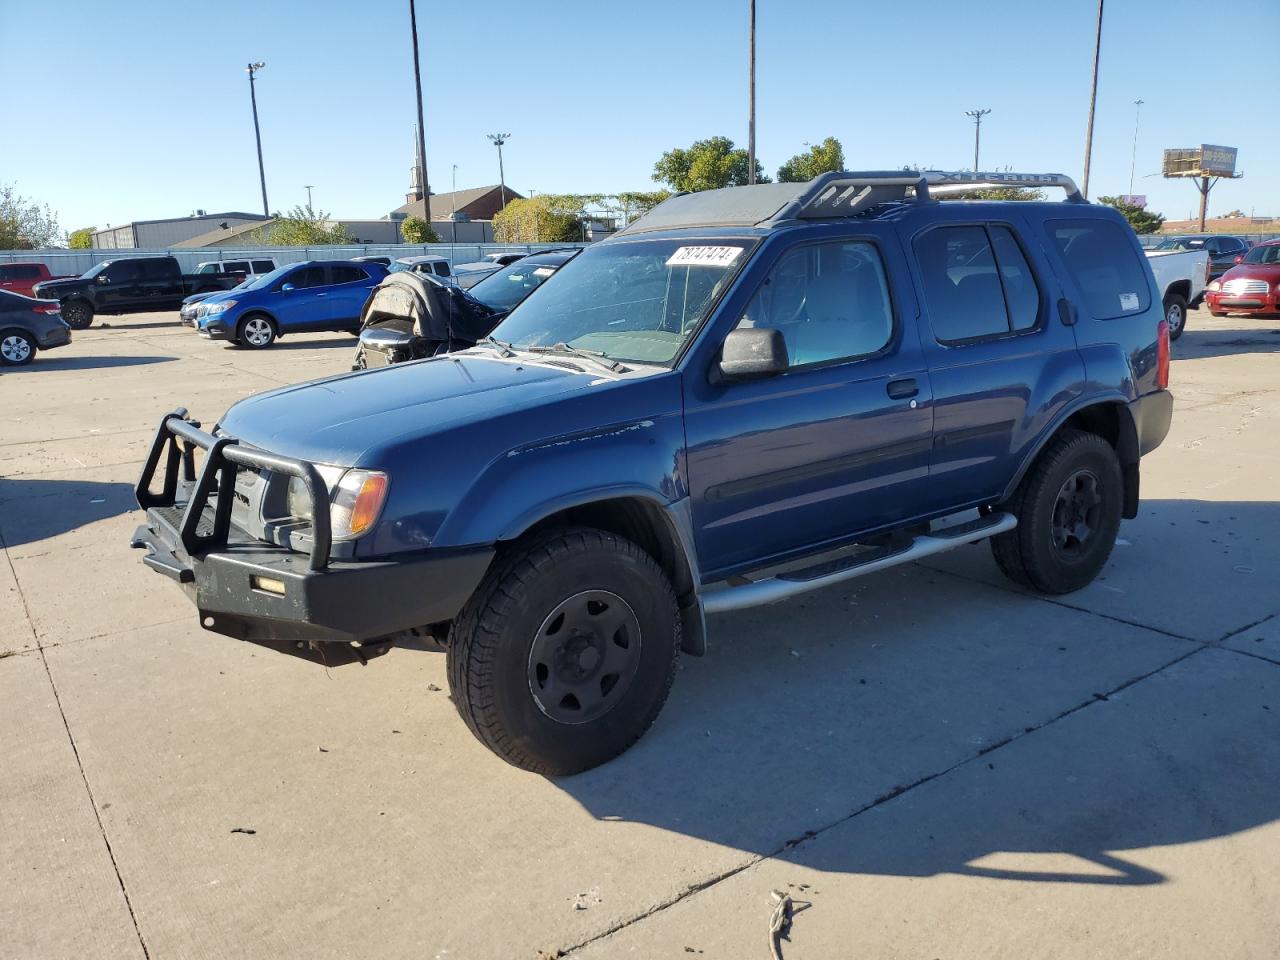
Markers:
{"x": 256, "y": 331}
{"x": 78, "y": 314}
{"x": 1175, "y": 314}
{"x": 1068, "y": 508}
{"x": 17, "y": 348}
{"x": 565, "y": 654}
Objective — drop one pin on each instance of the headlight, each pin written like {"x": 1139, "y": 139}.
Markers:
{"x": 220, "y": 307}
{"x": 355, "y": 500}
{"x": 1215, "y": 285}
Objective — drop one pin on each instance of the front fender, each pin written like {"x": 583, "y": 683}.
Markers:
{"x": 639, "y": 458}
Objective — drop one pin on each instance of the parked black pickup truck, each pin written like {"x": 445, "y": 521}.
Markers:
{"x": 129, "y": 285}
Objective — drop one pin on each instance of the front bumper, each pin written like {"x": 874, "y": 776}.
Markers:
{"x": 214, "y": 328}
{"x": 293, "y": 602}
{"x": 1244, "y": 303}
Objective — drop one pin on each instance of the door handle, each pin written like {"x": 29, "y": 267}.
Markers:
{"x": 901, "y": 389}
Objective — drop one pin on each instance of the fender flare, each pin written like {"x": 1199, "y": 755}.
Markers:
{"x": 1126, "y": 442}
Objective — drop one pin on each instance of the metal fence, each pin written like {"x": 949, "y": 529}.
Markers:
{"x": 76, "y": 262}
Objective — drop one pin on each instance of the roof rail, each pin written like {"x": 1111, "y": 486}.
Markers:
{"x": 943, "y": 181}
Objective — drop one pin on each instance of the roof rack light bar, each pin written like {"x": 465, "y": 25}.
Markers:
{"x": 943, "y": 181}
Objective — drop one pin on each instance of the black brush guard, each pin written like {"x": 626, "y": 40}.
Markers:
{"x": 176, "y": 440}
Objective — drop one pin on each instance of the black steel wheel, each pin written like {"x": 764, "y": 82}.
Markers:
{"x": 564, "y": 655}
{"x": 1068, "y": 508}
{"x": 78, "y": 314}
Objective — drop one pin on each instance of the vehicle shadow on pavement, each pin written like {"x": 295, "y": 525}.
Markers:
{"x": 922, "y": 724}
{"x": 44, "y": 363}
{"x": 290, "y": 344}
{"x": 153, "y": 325}
{"x": 34, "y": 510}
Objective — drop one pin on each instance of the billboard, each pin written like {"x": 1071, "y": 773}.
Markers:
{"x": 1206, "y": 160}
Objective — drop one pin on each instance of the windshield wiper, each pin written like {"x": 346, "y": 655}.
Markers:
{"x": 503, "y": 348}
{"x": 598, "y": 357}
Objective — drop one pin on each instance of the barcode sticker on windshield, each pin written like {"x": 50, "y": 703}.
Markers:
{"x": 704, "y": 256}
{"x": 1129, "y": 301}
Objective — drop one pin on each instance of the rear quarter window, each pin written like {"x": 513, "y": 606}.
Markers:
{"x": 1101, "y": 259}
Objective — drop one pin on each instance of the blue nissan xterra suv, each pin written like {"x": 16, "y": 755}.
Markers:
{"x": 746, "y": 394}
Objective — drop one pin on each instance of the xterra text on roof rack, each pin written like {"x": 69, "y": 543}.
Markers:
{"x": 838, "y": 376}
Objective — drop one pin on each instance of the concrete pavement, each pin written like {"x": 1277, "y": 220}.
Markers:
{"x": 949, "y": 766}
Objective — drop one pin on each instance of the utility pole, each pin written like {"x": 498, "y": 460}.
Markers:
{"x": 307, "y": 187}
{"x": 751, "y": 94}
{"x": 1093, "y": 102}
{"x": 252, "y": 69}
{"x": 422, "y": 136}
{"x": 498, "y": 140}
{"x": 1133, "y": 162}
{"x": 977, "y": 132}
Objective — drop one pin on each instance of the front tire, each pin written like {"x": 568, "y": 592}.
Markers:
{"x": 78, "y": 314}
{"x": 565, "y": 654}
{"x": 17, "y": 348}
{"x": 256, "y": 332}
{"x": 1068, "y": 509}
{"x": 1175, "y": 314}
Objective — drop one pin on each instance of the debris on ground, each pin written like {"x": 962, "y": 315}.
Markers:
{"x": 249, "y": 830}
{"x": 433, "y": 688}
{"x": 779, "y": 922}
{"x": 587, "y": 898}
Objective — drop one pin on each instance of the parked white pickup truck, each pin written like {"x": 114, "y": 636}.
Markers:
{"x": 1181, "y": 276}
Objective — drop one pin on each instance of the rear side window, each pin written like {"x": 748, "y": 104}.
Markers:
{"x": 263, "y": 266}
{"x": 977, "y": 283}
{"x": 442, "y": 269}
{"x": 346, "y": 274}
{"x": 236, "y": 266}
{"x": 1101, "y": 259}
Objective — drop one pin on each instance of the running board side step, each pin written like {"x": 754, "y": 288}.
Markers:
{"x": 795, "y": 582}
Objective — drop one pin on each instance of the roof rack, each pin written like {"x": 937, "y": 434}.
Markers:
{"x": 831, "y": 195}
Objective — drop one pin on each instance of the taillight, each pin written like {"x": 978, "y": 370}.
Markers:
{"x": 47, "y": 308}
{"x": 1162, "y": 355}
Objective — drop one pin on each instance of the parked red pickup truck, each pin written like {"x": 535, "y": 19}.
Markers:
{"x": 21, "y": 277}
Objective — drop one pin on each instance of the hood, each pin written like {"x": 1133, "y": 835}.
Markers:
{"x": 209, "y": 297}
{"x": 63, "y": 283}
{"x": 346, "y": 420}
{"x": 1253, "y": 271}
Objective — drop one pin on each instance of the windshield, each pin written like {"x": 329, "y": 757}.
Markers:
{"x": 504, "y": 289}
{"x": 94, "y": 271}
{"x": 1265, "y": 254}
{"x": 1181, "y": 243}
{"x": 267, "y": 279}
{"x": 639, "y": 301}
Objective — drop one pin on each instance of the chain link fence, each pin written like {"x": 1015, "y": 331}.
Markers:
{"x": 76, "y": 262}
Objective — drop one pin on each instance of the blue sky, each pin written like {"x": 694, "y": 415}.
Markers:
{"x": 138, "y": 109}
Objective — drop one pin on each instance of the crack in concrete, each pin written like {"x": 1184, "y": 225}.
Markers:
{"x": 75, "y": 750}
{"x": 896, "y": 792}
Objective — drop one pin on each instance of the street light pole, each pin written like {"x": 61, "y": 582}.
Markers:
{"x": 252, "y": 69}
{"x": 498, "y": 140}
{"x": 1093, "y": 102}
{"x": 307, "y": 187}
{"x": 977, "y": 131}
{"x": 751, "y": 95}
{"x": 422, "y": 136}
{"x": 1133, "y": 162}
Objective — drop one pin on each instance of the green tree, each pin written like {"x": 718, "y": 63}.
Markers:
{"x": 820, "y": 158}
{"x": 81, "y": 239}
{"x": 995, "y": 193}
{"x": 706, "y": 165}
{"x": 546, "y": 218}
{"x": 417, "y": 230}
{"x": 632, "y": 204}
{"x": 302, "y": 227}
{"x": 1142, "y": 221}
{"x": 24, "y": 224}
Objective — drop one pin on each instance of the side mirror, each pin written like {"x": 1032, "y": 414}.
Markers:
{"x": 287, "y": 288}
{"x": 103, "y": 278}
{"x": 750, "y": 353}
{"x": 1239, "y": 259}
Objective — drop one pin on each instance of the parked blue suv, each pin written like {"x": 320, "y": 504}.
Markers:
{"x": 300, "y": 297}
{"x": 745, "y": 395}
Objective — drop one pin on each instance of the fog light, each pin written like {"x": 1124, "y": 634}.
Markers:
{"x": 267, "y": 585}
